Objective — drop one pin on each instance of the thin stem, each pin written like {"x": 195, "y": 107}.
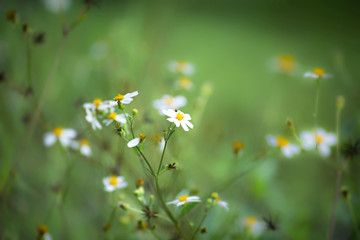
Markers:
{"x": 317, "y": 101}
{"x": 145, "y": 159}
{"x": 348, "y": 201}
{"x": 28, "y": 58}
{"x": 338, "y": 135}
{"x": 200, "y": 223}
{"x": 162, "y": 157}
{"x": 336, "y": 198}
{"x": 128, "y": 120}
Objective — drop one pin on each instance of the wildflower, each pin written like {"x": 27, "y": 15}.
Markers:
{"x": 286, "y": 63}
{"x": 83, "y": 145}
{"x": 317, "y": 73}
{"x": 43, "y": 232}
{"x": 179, "y": 118}
{"x": 57, "y": 6}
{"x": 182, "y": 67}
{"x": 91, "y": 117}
{"x": 64, "y": 135}
{"x": 136, "y": 141}
{"x": 185, "y": 83}
{"x": 286, "y": 147}
{"x": 114, "y": 182}
{"x": 169, "y": 102}
{"x": 217, "y": 201}
{"x": 125, "y": 99}
{"x": 318, "y": 139}
{"x": 120, "y": 118}
{"x": 184, "y": 199}
{"x": 237, "y": 147}
{"x": 253, "y": 225}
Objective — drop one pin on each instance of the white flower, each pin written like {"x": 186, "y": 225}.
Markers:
{"x": 179, "y": 118}
{"x": 65, "y": 136}
{"x": 219, "y": 202}
{"x": 120, "y": 118}
{"x": 184, "y": 199}
{"x": 283, "y": 63}
{"x": 253, "y": 225}
{"x": 47, "y": 236}
{"x": 286, "y": 147}
{"x": 182, "y": 67}
{"x": 125, "y": 99}
{"x": 83, "y": 145}
{"x": 136, "y": 141}
{"x": 319, "y": 139}
{"x": 317, "y": 73}
{"x": 57, "y": 6}
{"x": 169, "y": 102}
{"x": 114, "y": 182}
{"x": 185, "y": 83}
{"x": 91, "y": 117}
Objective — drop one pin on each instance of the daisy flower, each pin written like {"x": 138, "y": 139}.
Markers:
{"x": 286, "y": 63}
{"x": 64, "y": 135}
{"x": 114, "y": 182}
{"x": 178, "y": 118}
{"x": 184, "y": 199}
{"x": 83, "y": 145}
{"x": 182, "y": 67}
{"x": 136, "y": 141}
{"x": 184, "y": 83}
{"x": 217, "y": 201}
{"x": 91, "y": 117}
{"x": 120, "y": 118}
{"x": 43, "y": 232}
{"x": 253, "y": 225}
{"x": 169, "y": 102}
{"x": 286, "y": 147}
{"x": 317, "y": 73}
{"x": 319, "y": 139}
{"x": 125, "y": 99}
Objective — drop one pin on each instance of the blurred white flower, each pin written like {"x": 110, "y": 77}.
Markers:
{"x": 219, "y": 202}
{"x": 120, "y": 118}
{"x": 253, "y": 225}
{"x": 65, "y": 136}
{"x": 169, "y": 102}
{"x": 319, "y": 139}
{"x": 44, "y": 232}
{"x": 83, "y": 145}
{"x": 185, "y": 83}
{"x": 91, "y": 117}
{"x": 57, "y": 6}
{"x": 127, "y": 98}
{"x": 284, "y": 63}
{"x": 184, "y": 199}
{"x": 114, "y": 182}
{"x": 317, "y": 73}
{"x": 182, "y": 67}
{"x": 286, "y": 147}
{"x": 179, "y": 118}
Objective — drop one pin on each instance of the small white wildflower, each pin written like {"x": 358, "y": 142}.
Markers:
{"x": 184, "y": 199}
{"x": 286, "y": 147}
{"x": 182, "y": 67}
{"x": 185, "y": 83}
{"x": 120, "y": 118}
{"x": 317, "y": 73}
{"x": 91, "y": 117}
{"x": 57, "y": 6}
{"x": 169, "y": 102}
{"x": 65, "y": 136}
{"x": 318, "y": 138}
{"x": 179, "y": 118}
{"x": 253, "y": 225}
{"x": 219, "y": 202}
{"x": 114, "y": 182}
{"x": 127, "y": 98}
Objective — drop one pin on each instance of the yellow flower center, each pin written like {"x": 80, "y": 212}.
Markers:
{"x": 237, "y": 146}
{"x": 183, "y": 198}
{"x": 250, "y": 221}
{"x": 286, "y": 63}
{"x": 184, "y": 82}
{"x": 217, "y": 199}
{"x": 111, "y": 116}
{"x": 169, "y": 101}
{"x": 142, "y": 136}
{"x": 57, "y": 131}
{"x": 180, "y": 66}
{"x": 157, "y": 137}
{"x": 319, "y": 139}
{"x": 84, "y": 142}
{"x": 214, "y": 195}
{"x": 319, "y": 71}
{"x": 97, "y": 101}
{"x": 113, "y": 181}
{"x": 282, "y": 142}
{"x": 118, "y": 97}
{"x": 42, "y": 229}
{"x": 179, "y": 116}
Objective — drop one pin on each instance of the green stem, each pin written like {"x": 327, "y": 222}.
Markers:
{"x": 162, "y": 157}
{"x": 338, "y": 135}
{"x": 348, "y": 201}
{"x": 200, "y": 223}
{"x": 128, "y": 120}
{"x": 28, "y": 57}
{"x": 317, "y": 101}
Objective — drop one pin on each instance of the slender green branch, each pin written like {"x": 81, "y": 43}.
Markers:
{"x": 200, "y": 223}
{"x": 317, "y": 101}
{"x": 348, "y": 201}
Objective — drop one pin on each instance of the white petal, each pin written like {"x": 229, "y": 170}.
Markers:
{"x": 311, "y": 75}
{"x": 179, "y": 101}
{"x": 74, "y": 144}
{"x": 69, "y": 133}
{"x": 133, "y": 143}
{"x": 85, "y": 150}
{"x": 330, "y": 139}
{"x": 324, "y": 150}
{"x": 271, "y": 140}
{"x": 189, "y": 124}
{"x": 223, "y": 204}
{"x": 173, "y": 202}
{"x": 109, "y": 188}
{"x": 181, "y": 203}
{"x": 184, "y": 126}
{"x": 47, "y": 236}
{"x": 133, "y": 94}
{"x": 120, "y": 118}
{"x": 177, "y": 122}
{"x": 49, "y": 139}
{"x": 193, "y": 199}
{"x": 308, "y": 140}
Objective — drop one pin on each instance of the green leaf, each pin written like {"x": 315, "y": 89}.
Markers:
{"x": 187, "y": 207}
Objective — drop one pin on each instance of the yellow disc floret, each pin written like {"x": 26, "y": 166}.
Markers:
{"x": 97, "y": 101}
{"x": 180, "y": 66}
{"x": 282, "y": 142}
{"x": 184, "y": 82}
{"x": 319, "y": 139}
{"x": 250, "y": 221}
{"x": 183, "y": 198}
{"x": 286, "y": 63}
{"x": 113, "y": 180}
{"x": 118, "y": 97}
{"x": 179, "y": 116}
{"x": 57, "y": 131}
{"x": 84, "y": 142}
{"x": 42, "y": 229}
{"x": 214, "y": 195}
{"x": 319, "y": 71}
{"x": 111, "y": 116}
{"x": 142, "y": 136}
{"x": 237, "y": 146}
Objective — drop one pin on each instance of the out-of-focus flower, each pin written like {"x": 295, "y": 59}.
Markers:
{"x": 317, "y": 73}
{"x": 237, "y": 147}
{"x": 57, "y": 6}
{"x": 217, "y": 201}
{"x": 64, "y": 135}
{"x": 127, "y": 98}
{"x": 184, "y": 199}
{"x": 43, "y": 232}
{"x": 185, "y": 83}
{"x": 134, "y": 142}
{"x": 120, "y": 118}
{"x": 169, "y": 102}
{"x": 286, "y": 63}
{"x": 114, "y": 182}
{"x": 179, "y": 118}
{"x": 83, "y": 145}
{"x": 253, "y": 225}
{"x": 181, "y": 67}
{"x": 91, "y": 117}
{"x": 319, "y": 139}
{"x": 286, "y": 147}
